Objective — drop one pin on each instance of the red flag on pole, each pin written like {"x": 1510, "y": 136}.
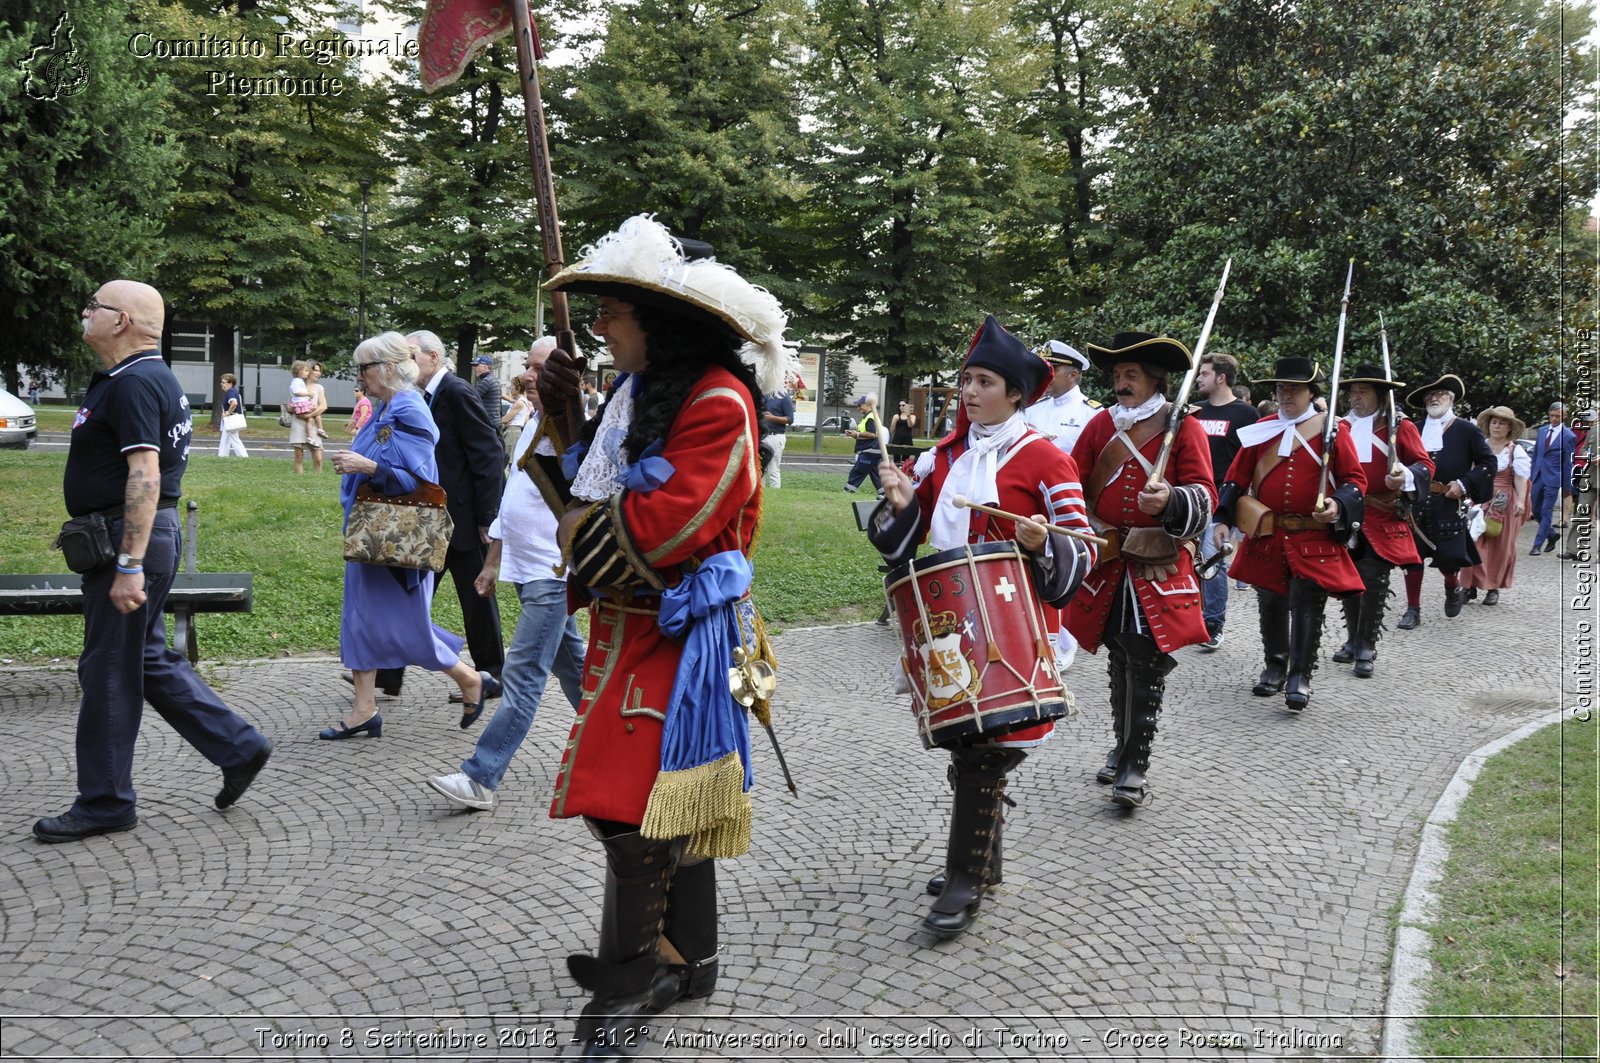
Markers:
{"x": 454, "y": 32}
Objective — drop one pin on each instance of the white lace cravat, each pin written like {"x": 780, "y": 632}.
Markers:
{"x": 972, "y": 476}
{"x": 600, "y": 475}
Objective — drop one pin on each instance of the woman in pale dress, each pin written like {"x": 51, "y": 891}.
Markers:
{"x": 1509, "y": 506}
{"x": 386, "y": 621}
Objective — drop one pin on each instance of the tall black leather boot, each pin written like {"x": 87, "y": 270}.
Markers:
{"x": 996, "y": 856}
{"x": 1274, "y": 642}
{"x": 691, "y": 927}
{"x": 1307, "y": 603}
{"x": 1369, "y": 625}
{"x": 1117, "y": 670}
{"x": 1352, "y": 615}
{"x": 1147, "y": 682}
{"x": 978, "y": 774}
{"x": 639, "y": 874}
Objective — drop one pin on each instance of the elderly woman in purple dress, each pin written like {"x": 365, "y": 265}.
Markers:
{"x": 387, "y": 611}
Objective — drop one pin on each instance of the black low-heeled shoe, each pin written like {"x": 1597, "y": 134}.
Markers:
{"x": 488, "y": 690}
{"x": 372, "y": 727}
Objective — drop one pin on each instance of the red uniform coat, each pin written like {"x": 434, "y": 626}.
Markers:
{"x": 707, "y": 506}
{"x": 1291, "y": 487}
{"x": 1171, "y": 607}
{"x": 1388, "y": 535}
{"x": 1033, "y": 477}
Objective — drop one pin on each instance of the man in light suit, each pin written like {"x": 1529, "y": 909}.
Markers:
{"x": 470, "y": 462}
{"x": 1552, "y": 474}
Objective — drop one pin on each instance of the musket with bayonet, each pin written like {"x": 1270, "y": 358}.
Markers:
{"x": 1331, "y": 428}
{"x": 1158, "y": 471}
{"x": 1394, "y": 417}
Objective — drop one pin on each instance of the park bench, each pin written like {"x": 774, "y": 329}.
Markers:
{"x": 61, "y": 594}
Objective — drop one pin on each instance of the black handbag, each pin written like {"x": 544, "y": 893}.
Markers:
{"x": 85, "y": 542}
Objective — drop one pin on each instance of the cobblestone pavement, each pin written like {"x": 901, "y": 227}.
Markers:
{"x": 341, "y": 910}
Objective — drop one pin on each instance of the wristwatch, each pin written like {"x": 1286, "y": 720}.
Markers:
{"x": 129, "y": 561}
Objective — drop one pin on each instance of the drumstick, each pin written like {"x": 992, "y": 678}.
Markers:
{"x": 962, "y": 503}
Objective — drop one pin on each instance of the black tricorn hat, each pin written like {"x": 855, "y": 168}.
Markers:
{"x": 996, "y": 349}
{"x": 1160, "y": 352}
{"x": 1367, "y": 373}
{"x": 1293, "y": 370}
{"x": 1449, "y": 382}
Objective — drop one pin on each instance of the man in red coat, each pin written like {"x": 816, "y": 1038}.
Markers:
{"x": 1142, "y": 600}
{"x": 1295, "y": 551}
{"x": 1385, "y": 539}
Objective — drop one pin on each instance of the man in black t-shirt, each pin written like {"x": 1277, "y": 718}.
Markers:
{"x": 1221, "y": 415}
{"x": 130, "y": 445}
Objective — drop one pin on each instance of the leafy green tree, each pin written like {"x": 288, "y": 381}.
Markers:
{"x": 264, "y": 233}
{"x": 917, "y": 157}
{"x": 87, "y": 169}
{"x": 1422, "y": 140}
{"x": 460, "y": 246}
{"x": 688, "y": 111}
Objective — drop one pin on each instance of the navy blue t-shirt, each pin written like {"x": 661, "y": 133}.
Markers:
{"x": 779, "y": 405}
{"x": 137, "y": 405}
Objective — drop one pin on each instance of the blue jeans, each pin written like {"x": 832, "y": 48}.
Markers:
{"x": 126, "y": 662}
{"x": 546, "y": 640}
{"x": 1213, "y": 590}
{"x": 1546, "y": 496}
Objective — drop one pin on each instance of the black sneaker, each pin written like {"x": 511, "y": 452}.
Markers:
{"x": 1212, "y": 644}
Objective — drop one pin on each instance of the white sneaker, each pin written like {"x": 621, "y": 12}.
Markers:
{"x": 461, "y": 790}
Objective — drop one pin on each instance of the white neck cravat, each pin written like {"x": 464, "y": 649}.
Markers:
{"x": 1125, "y": 417}
{"x": 1433, "y": 431}
{"x": 973, "y": 477}
{"x": 1281, "y": 429}
{"x": 1362, "y": 435}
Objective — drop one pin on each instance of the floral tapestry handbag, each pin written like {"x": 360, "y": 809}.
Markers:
{"x": 401, "y": 531}
{"x": 1494, "y": 516}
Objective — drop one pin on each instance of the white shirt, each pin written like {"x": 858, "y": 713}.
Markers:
{"x": 1061, "y": 417}
{"x": 525, "y": 526}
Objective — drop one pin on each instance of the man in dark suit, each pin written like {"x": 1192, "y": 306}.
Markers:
{"x": 470, "y": 462}
{"x": 1552, "y": 474}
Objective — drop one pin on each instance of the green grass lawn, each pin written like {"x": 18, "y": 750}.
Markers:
{"x": 812, "y": 566}
{"x": 1516, "y": 936}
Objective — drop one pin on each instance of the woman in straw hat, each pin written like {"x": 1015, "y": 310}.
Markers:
{"x": 1507, "y": 509}
{"x": 666, "y": 489}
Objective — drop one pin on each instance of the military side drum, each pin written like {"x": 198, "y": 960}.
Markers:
{"x": 977, "y": 652}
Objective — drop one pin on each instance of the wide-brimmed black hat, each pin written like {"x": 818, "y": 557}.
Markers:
{"x": 996, "y": 349}
{"x": 1367, "y": 373}
{"x": 1159, "y": 352}
{"x": 1449, "y": 382}
{"x": 1293, "y": 370}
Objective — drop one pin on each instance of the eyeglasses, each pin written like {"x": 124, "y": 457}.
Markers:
{"x": 606, "y": 314}
{"x": 364, "y": 366}
{"x": 94, "y": 304}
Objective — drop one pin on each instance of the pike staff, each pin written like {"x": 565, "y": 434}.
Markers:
{"x": 1159, "y": 469}
{"x": 1331, "y": 427}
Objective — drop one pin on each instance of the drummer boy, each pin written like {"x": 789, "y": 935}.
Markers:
{"x": 995, "y": 459}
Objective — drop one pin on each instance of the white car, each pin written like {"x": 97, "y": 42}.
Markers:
{"x": 18, "y": 426}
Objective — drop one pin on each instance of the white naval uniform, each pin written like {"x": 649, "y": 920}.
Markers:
{"x": 1063, "y": 417}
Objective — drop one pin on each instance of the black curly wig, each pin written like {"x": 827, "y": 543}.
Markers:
{"x": 679, "y": 349}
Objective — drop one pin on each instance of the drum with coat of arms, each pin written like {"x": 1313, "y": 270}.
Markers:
{"x": 977, "y": 651}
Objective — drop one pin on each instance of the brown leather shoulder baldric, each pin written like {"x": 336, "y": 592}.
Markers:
{"x": 1117, "y": 454}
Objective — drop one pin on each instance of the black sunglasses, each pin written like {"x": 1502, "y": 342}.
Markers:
{"x": 94, "y": 304}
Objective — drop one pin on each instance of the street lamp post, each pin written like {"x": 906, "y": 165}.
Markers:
{"x": 361, "y": 320}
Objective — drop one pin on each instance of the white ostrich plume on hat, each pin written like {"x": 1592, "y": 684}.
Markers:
{"x": 642, "y": 253}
